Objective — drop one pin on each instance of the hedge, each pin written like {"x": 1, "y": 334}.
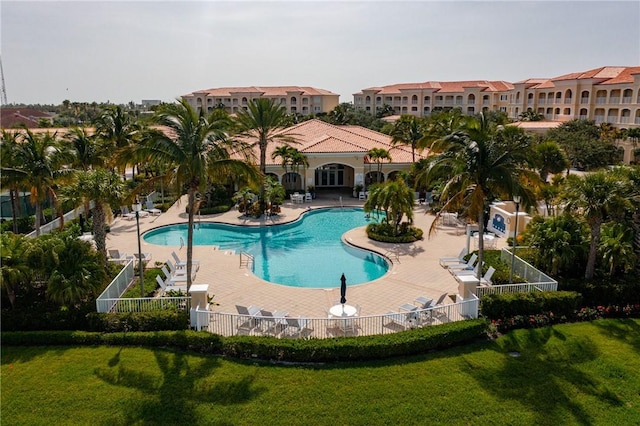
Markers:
{"x": 411, "y": 342}
{"x": 561, "y": 303}
{"x": 138, "y": 321}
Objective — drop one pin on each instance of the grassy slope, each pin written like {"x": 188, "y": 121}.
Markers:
{"x": 580, "y": 374}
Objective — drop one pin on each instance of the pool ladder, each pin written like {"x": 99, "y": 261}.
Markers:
{"x": 246, "y": 259}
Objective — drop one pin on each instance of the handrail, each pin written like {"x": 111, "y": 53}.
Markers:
{"x": 246, "y": 259}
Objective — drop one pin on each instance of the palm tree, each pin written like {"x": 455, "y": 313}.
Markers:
{"x": 196, "y": 152}
{"x": 263, "y": 122}
{"x": 407, "y": 131}
{"x": 86, "y": 149}
{"x": 13, "y": 270}
{"x": 103, "y": 187}
{"x": 39, "y": 159}
{"x": 478, "y": 163}
{"x": 11, "y": 178}
{"x": 598, "y": 196}
{"x": 550, "y": 159}
{"x": 616, "y": 247}
{"x": 395, "y": 198}
{"x": 377, "y": 155}
{"x": 120, "y": 135}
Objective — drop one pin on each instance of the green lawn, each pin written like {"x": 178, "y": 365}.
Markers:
{"x": 577, "y": 374}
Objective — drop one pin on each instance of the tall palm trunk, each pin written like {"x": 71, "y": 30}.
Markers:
{"x": 37, "y": 218}
{"x": 191, "y": 202}
{"x": 593, "y": 249}
{"x": 13, "y": 194}
{"x": 263, "y": 170}
{"x": 99, "y": 231}
{"x": 480, "y": 243}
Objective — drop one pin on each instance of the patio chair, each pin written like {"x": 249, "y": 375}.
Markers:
{"x": 173, "y": 279}
{"x": 307, "y": 197}
{"x": 298, "y": 326}
{"x": 165, "y": 286}
{"x": 116, "y": 256}
{"x": 151, "y": 209}
{"x": 402, "y": 319}
{"x": 362, "y": 195}
{"x": 195, "y": 264}
{"x": 469, "y": 264}
{"x": 444, "y": 261}
{"x": 247, "y": 317}
{"x": 126, "y": 214}
{"x": 460, "y": 272}
{"x": 146, "y": 257}
{"x": 423, "y": 302}
{"x": 486, "y": 278}
{"x": 272, "y": 323}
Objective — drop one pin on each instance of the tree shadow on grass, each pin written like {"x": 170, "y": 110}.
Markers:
{"x": 184, "y": 381}
{"x": 626, "y": 331}
{"x": 539, "y": 366}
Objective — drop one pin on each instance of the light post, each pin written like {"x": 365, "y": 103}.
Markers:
{"x": 137, "y": 207}
{"x": 516, "y": 199}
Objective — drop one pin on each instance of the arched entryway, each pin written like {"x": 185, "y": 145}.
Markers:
{"x": 292, "y": 181}
{"x": 334, "y": 175}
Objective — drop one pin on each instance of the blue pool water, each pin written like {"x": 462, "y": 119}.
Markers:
{"x": 306, "y": 253}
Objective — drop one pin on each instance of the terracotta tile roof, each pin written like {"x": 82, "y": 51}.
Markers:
{"x": 260, "y": 91}
{"x": 13, "y": 117}
{"x": 608, "y": 75}
{"x": 441, "y": 86}
{"x": 317, "y": 137}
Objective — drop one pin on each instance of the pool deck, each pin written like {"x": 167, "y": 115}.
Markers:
{"x": 414, "y": 272}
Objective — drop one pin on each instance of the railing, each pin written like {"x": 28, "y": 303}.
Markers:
{"x": 55, "y": 223}
{"x": 109, "y": 297}
{"x": 246, "y": 260}
{"x": 524, "y": 269}
{"x": 145, "y": 304}
{"x": 516, "y": 288}
{"x": 227, "y": 324}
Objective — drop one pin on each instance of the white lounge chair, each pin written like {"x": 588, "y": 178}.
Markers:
{"x": 272, "y": 323}
{"x": 172, "y": 279}
{"x": 474, "y": 271}
{"x": 402, "y": 319}
{"x": 444, "y": 261}
{"x": 462, "y": 266}
{"x": 126, "y": 214}
{"x": 146, "y": 257}
{"x": 298, "y": 326}
{"x": 165, "y": 286}
{"x": 151, "y": 209}
{"x": 116, "y": 256}
{"x": 195, "y": 264}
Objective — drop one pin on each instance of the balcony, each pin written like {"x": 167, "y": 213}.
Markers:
{"x": 601, "y": 100}
{"x": 583, "y": 117}
{"x": 599, "y": 119}
{"x": 614, "y": 100}
{"x": 625, "y": 120}
{"x": 626, "y": 100}
{"x": 542, "y": 101}
{"x": 584, "y": 101}
{"x": 567, "y": 100}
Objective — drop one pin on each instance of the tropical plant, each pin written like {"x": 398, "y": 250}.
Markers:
{"x": 550, "y": 159}
{"x": 377, "y": 155}
{"x": 104, "y": 188}
{"x": 616, "y": 247}
{"x": 11, "y": 178}
{"x": 531, "y": 115}
{"x": 86, "y": 150}
{"x": 262, "y": 123}
{"x": 598, "y": 196}
{"x": 196, "y": 151}
{"x": 78, "y": 272}
{"x": 395, "y": 199}
{"x": 39, "y": 163}
{"x": 479, "y": 163}
{"x": 561, "y": 243}
{"x": 13, "y": 270}
{"x": 407, "y": 131}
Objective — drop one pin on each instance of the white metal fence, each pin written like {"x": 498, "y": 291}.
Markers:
{"x": 536, "y": 279}
{"x": 228, "y": 324}
{"x": 55, "y": 223}
{"x": 110, "y": 300}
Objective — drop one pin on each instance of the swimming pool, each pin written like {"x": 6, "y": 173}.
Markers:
{"x": 306, "y": 253}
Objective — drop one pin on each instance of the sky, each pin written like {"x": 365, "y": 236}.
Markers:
{"x": 121, "y": 51}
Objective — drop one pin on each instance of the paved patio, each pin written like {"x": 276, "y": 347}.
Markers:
{"x": 414, "y": 272}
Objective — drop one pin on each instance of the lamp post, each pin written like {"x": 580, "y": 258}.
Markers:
{"x": 516, "y": 199}
{"x": 137, "y": 207}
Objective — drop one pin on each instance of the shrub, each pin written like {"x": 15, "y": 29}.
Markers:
{"x": 384, "y": 232}
{"x": 138, "y": 321}
{"x": 215, "y": 210}
{"x": 561, "y": 303}
{"x": 410, "y": 342}
{"x": 198, "y": 341}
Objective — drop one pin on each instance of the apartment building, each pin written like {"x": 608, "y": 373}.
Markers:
{"x": 606, "y": 94}
{"x": 421, "y": 99}
{"x": 297, "y": 100}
